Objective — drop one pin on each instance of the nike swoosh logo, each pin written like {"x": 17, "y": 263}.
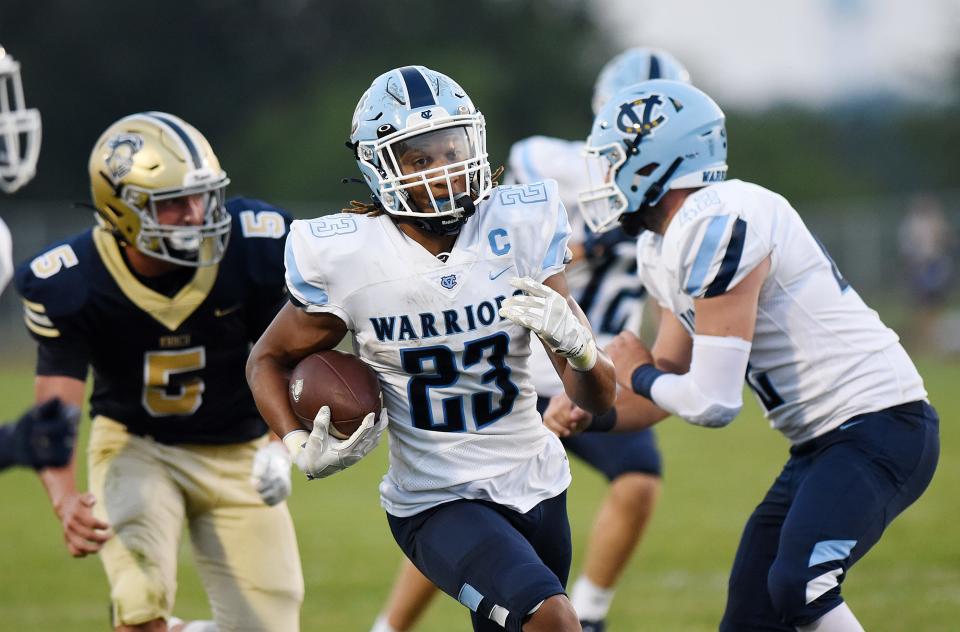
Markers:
{"x": 494, "y": 276}
{"x": 220, "y": 313}
{"x": 851, "y": 424}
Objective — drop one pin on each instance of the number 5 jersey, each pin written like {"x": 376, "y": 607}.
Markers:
{"x": 463, "y": 418}
{"x": 168, "y": 354}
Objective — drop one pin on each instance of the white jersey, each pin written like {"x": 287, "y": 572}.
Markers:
{"x": 463, "y": 419}
{"x": 606, "y": 288}
{"x": 6, "y": 256}
{"x": 819, "y": 354}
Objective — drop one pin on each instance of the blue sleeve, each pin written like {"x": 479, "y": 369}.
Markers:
{"x": 53, "y": 309}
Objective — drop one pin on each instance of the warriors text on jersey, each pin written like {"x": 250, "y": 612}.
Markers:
{"x": 819, "y": 354}
{"x": 463, "y": 418}
{"x": 168, "y": 358}
{"x": 604, "y": 283}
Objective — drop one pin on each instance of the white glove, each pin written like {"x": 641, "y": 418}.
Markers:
{"x": 319, "y": 455}
{"x": 546, "y": 313}
{"x": 271, "y": 473}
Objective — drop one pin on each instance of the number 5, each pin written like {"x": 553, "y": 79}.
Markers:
{"x": 163, "y": 393}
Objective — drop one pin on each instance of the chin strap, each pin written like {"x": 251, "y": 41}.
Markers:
{"x": 449, "y": 224}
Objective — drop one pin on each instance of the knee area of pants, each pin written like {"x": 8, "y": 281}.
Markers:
{"x": 139, "y": 597}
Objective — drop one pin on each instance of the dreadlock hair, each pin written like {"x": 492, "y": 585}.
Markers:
{"x": 370, "y": 209}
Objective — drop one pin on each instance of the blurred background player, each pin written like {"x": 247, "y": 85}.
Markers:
{"x": 745, "y": 289}
{"x": 602, "y": 277}
{"x": 928, "y": 245}
{"x": 163, "y": 298}
{"x": 44, "y": 435}
{"x": 448, "y": 276}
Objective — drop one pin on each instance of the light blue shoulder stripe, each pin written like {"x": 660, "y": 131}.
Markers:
{"x": 558, "y": 245}
{"x": 830, "y": 551}
{"x": 707, "y": 252}
{"x": 302, "y": 290}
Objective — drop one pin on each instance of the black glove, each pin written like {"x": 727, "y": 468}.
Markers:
{"x": 44, "y": 435}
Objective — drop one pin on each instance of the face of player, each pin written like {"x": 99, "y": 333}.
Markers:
{"x": 430, "y": 153}
{"x": 187, "y": 211}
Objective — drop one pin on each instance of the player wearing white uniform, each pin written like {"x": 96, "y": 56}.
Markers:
{"x": 44, "y": 435}
{"x": 602, "y": 278}
{"x": 747, "y": 290}
{"x": 439, "y": 285}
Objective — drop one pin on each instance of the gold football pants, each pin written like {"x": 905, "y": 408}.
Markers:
{"x": 245, "y": 552}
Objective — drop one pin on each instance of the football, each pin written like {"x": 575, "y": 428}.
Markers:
{"x": 341, "y": 381}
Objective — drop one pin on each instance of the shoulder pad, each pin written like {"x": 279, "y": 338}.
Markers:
{"x": 56, "y": 278}
{"x": 53, "y": 285}
{"x": 259, "y": 230}
{"x": 257, "y": 219}
{"x": 319, "y": 250}
{"x": 710, "y": 245}
{"x": 530, "y": 221}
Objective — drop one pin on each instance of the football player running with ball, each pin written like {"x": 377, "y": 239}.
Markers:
{"x": 746, "y": 290}
{"x": 602, "y": 277}
{"x": 162, "y": 299}
{"x": 440, "y": 284}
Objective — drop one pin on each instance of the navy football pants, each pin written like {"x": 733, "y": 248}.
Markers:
{"x": 496, "y": 561}
{"x": 829, "y": 506}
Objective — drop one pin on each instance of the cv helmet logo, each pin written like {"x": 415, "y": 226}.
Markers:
{"x": 123, "y": 147}
{"x": 296, "y": 389}
{"x": 641, "y": 116}
{"x": 448, "y": 282}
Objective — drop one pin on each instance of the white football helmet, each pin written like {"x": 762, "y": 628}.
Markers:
{"x": 19, "y": 128}
{"x": 416, "y": 133}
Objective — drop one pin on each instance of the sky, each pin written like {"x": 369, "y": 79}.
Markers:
{"x": 751, "y": 53}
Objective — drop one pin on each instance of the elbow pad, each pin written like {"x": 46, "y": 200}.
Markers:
{"x": 711, "y": 393}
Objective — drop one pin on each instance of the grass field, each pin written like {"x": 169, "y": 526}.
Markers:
{"x": 677, "y": 581}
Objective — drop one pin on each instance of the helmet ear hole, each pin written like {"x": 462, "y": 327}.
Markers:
{"x": 647, "y": 169}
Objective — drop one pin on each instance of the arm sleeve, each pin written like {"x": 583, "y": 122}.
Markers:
{"x": 711, "y": 392}
{"x": 53, "y": 313}
{"x": 557, "y": 236}
{"x": 306, "y": 279}
{"x": 715, "y": 252}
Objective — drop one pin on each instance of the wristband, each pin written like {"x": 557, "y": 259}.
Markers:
{"x": 294, "y": 441}
{"x": 587, "y": 358}
{"x": 604, "y": 422}
{"x": 643, "y": 378}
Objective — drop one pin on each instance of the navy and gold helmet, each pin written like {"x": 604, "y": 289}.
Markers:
{"x": 153, "y": 156}
{"x": 19, "y": 128}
